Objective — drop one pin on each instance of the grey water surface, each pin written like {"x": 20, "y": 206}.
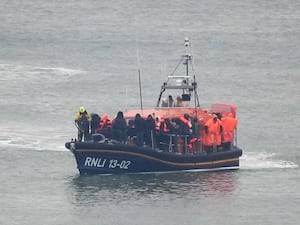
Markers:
{"x": 56, "y": 56}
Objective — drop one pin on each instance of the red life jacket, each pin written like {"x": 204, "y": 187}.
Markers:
{"x": 157, "y": 125}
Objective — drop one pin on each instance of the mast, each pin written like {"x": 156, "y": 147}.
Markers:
{"x": 188, "y": 59}
{"x": 185, "y": 83}
{"x": 187, "y": 56}
{"x": 140, "y": 86}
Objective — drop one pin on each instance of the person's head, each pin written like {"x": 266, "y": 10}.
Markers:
{"x": 131, "y": 123}
{"x": 186, "y": 116}
{"x": 105, "y": 117}
{"x": 138, "y": 115}
{"x": 215, "y": 118}
{"x": 120, "y": 115}
{"x": 82, "y": 110}
{"x": 149, "y": 117}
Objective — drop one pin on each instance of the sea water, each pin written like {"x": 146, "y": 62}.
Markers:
{"x": 56, "y": 56}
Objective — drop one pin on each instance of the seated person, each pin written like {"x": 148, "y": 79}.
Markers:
{"x": 179, "y": 102}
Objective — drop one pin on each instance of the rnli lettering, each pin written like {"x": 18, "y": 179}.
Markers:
{"x": 94, "y": 162}
{"x": 111, "y": 164}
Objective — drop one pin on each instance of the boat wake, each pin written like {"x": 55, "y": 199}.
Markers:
{"x": 32, "y": 140}
{"x": 264, "y": 160}
{"x": 11, "y": 71}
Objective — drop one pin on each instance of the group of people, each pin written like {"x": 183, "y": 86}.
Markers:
{"x": 141, "y": 131}
{"x": 217, "y": 132}
{"x": 171, "y": 103}
{"x": 89, "y": 124}
{"x": 117, "y": 129}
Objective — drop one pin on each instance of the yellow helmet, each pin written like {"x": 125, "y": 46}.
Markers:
{"x": 82, "y": 109}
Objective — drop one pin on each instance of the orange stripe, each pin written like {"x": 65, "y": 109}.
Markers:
{"x": 215, "y": 162}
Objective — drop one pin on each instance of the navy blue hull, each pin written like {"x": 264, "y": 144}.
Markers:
{"x": 102, "y": 158}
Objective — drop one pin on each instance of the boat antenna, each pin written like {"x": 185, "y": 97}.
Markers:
{"x": 140, "y": 85}
{"x": 187, "y": 55}
{"x": 188, "y": 59}
{"x": 139, "y": 73}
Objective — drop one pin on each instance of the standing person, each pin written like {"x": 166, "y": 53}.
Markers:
{"x": 169, "y": 127}
{"x": 105, "y": 126}
{"x": 157, "y": 124}
{"x": 170, "y": 101}
{"x": 195, "y": 127}
{"x": 82, "y": 122}
{"x": 150, "y": 133}
{"x": 104, "y": 122}
{"x": 95, "y": 123}
{"x": 229, "y": 125}
{"x": 131, "y": 131}
{"x": 213, "y": 134}
{"x": 119, "y": 128}
{"x": 185, "y": 124}
{"x": 139, "y": 126}
{"x": 193, "y": 143}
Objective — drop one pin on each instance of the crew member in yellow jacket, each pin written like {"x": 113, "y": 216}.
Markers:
{"x": 82, "y": 122}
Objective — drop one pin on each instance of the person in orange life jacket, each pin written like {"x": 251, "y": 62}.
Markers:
{"x": 229, "y": 125}
{"x": 162, "y": 126}
{"x": 213, "y": 130}
{"x": 119, "y": 128}
{"x": 105, "y": 122}
{"x": 185, "y": 124}
{"x": 105, "y": 126}
{"x": 139, "y": 125}
{"x": 185, "y": 128}
{"x": 169, "y": 127}
{"x": 82, "y": 122}
{"x": 203, "y": 135}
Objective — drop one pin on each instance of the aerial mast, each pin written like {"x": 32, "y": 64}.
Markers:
{"x": 183, "y": 82}
{"x": 188, "y": 59}
{"x": 187, "y": 56}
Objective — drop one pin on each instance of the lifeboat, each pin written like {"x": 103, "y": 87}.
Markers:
{"x": 184, "y": 137}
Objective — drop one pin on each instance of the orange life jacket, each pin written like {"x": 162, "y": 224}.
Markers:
{"x": 186, "y": 122}
{"x": 213, "y": 137}
{"x": 229, "y": 124}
